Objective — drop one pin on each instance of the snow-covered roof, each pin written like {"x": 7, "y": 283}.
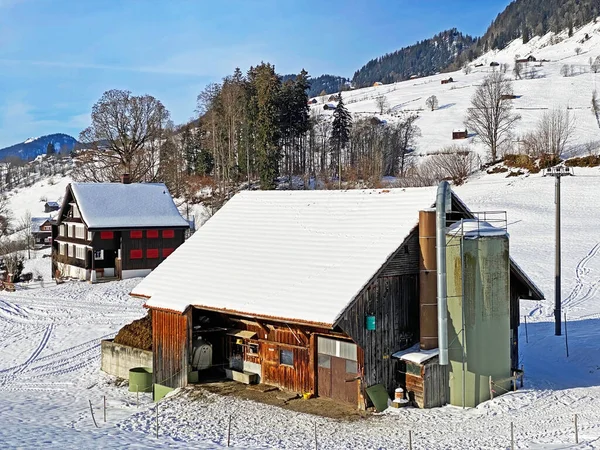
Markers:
{"x": 36, "y": 223}
{"x": 417, "y": 355}
{"x": 459, "y": 130}
{"x": 52, "y": 204}
{"x": 474, "y": 228}
{"x": 296, "y": 255}
{"x": 135, "y": 205}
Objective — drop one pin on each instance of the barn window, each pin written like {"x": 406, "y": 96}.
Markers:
{"x": 325, "y": 361}
{"x": 152, "y": 234}
{"x": 168, "y": 234}
{"x": 351, "y": 366}
{"x": 167, "y": 251}
{"x": 107, "y": 235}
{"x": 152, "y": 253}
{"x": 253, "y": 349}
{"x": 135, "y": 254}
{"x": 286, "y": 357}
{"x": 135, "y": 234}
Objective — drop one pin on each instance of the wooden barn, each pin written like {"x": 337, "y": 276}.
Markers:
{"x": 41, "y": 230}
{"x": 121, "y": 230}
{"x": 460, "y": 133}
{"x": 51, "y": 206}
{"x": 448, "y": 80}
{"x": 310, "y": 291}
{"x": 530, "y": 58}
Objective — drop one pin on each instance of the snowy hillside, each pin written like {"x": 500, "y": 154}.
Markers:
{"x": 548, "y": 90}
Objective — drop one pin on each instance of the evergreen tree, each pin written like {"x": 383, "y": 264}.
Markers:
{"x": 340, "y": 134}
{"x": 266, "y": 86}
{"x": 525, "y": 33}
{"x": 50, "y": 150}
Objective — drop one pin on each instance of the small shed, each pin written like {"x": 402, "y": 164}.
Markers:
{"x": 378, "y": 83}
{"x": 448, "y": 80}
{"x": 530, "y": 58}
{"x": 333, "y": 98}
{"x": 51, "y": 206}
{"x": 494, "y": 64}
{"x": 460, "y": 133}
{"x": 312, "y": 102}
{"x": 329, "y": 106}
{"x": 508, "y": 97}
{"x": 422, "y": 378}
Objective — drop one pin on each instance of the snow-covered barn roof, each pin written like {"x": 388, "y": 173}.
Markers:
{"x": 135, "y": 205}
{"x": 295, "y": 255}
{"x": 37, "y": 222}
{"x": 300, "y": 255}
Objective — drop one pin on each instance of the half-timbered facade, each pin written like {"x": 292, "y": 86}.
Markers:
{"x": 311, "y": 291}
{"x": 115, "y": 230}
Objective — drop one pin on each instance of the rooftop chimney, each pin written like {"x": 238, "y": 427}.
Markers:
{"x": 125, "y": 179}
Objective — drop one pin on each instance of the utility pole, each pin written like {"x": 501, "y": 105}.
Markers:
{"x": 557, "y": 172}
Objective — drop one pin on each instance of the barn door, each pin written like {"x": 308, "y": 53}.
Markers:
{"x": 270, "y": 363}
{"x": 324, "y": 376}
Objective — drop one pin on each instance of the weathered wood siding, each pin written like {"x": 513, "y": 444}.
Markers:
{"x": 406, "y": 259}
{"x": 394, "y": 301}
{"x": 426, "y": 385}
{"x": 170, "y": 343}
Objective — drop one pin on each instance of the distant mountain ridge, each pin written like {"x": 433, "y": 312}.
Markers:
{"x": 33, "y": 147}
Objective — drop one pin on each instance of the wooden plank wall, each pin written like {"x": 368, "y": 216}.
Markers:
{"x": 394, "y": 301}
{"x": 170, "y": 333}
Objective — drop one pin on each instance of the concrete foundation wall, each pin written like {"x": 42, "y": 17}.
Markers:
{"x": 135, "y": 273}
{"x": 118, "y": 359}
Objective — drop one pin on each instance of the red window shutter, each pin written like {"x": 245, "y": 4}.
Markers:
{"x": 135, "y": 254}
{"x": 152, "y": 253}
{"x": 152, "y": 234}
{"x": 107, "y": 235}
{"x": 167, "y": 252}
{"x": 168, "y": 234}
{"x": 136, "y": 234}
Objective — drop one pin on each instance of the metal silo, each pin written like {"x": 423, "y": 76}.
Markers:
{"x": 478, "y": 274}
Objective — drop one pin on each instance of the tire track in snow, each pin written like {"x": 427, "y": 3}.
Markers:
{"x": 12, "y": 372}
{"x": 582, "y": 291}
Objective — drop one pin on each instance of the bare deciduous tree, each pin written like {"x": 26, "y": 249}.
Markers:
{"x": 595, "y": 66}
{"x": 467, "y": 69}
{"x": 577, "y": 50}
{"x": 382, "y": 103}
{"x": 124, "y": 137}
{"x": 596, "y": 107}
{"x": 518, "y": 70}
{"x": 552, "y": 134}
{"x": 432, "y": 102}
{"x": 491, "y": 114}
{"x": 454, "y": 162}
{"x": 564, "y": 70}
{"x": 26, "y": 232}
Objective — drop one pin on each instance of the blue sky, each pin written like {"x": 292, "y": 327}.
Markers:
{"x": 57, "y": 57}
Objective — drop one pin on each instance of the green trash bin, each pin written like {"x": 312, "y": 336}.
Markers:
{"x": 140, "y": 379}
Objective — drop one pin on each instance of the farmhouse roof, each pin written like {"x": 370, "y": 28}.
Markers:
{"x": 37, "y": 222}
{"x": 293, "y": 255}
{"x": 117, "y": 205}
{"x": 54, "y": 204}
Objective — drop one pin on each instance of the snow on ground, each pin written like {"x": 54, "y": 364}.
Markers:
{"x": 49, "y": 358}
{"x": 49, "y": 336}
{"x": 548, "y": 90}
{"x": 34, "y": 197}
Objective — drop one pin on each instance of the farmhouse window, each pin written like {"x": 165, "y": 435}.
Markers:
{"x": 107, "y": 235}
{"x": 80, "y": 232}
{"x": 168, "y": 234}
{"x": 80, "y": 252}
{"x": 286, "y": 357}
{"x": 61, "y": 230}
{"x": 61, "y": 249}
{"x": 70, "y": 250}
{"x": 152, "y": 253}
{"x": 99, "y": 255}
{"x": 167, "y": 251}
{"x": 89, "y": 235}
{"x": 152, "y": 234}
{"x": 136, "y": 234}
{"x": 135, "y": 254}
{"x": 76, "y": 214}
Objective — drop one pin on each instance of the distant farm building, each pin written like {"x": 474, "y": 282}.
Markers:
{"x": 479, "y": 65}
{"x": 508, "y": 97}
{"x": 312, "y": 102}
{"x": 328, "y": 106}
{"x": 494, "y": 64}
{"x": 41, "y": 229}
{"x": 460, "y": 133}
{"x": 51, "y": 206}
{"x": 334, "y": 98}
{"x": 378, "y": 83}
{"x": 412, "y": 77}
{"x": 448, "y": 80}
{"x": 530, "y": 58}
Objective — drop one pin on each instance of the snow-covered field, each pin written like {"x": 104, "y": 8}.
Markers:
{"x": 50, "y": 335}
{"x": 547, "y": 91}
